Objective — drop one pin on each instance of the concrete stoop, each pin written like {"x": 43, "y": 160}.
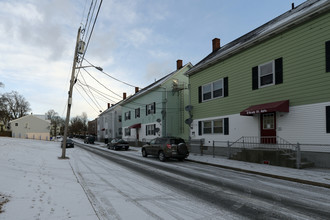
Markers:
{"x": 271, "y": 157}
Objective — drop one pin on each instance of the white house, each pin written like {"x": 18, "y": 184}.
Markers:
{"x": 31, "y": 127}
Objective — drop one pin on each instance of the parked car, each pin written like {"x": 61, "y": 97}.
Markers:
{"x": 69, "y": 143}
{"x": 118, "y": 144}
{"x": 89, "y": 139}
{"x": 166, "y": 147}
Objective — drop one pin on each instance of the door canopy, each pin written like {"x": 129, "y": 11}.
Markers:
{"x": 280, "y": 106}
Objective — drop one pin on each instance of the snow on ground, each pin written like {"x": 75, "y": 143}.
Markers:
{"x": 38, "y": 185}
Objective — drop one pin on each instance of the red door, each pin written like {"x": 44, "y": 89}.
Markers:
{"x": 268, "y": 128}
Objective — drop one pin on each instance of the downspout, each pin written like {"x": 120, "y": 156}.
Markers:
{"x": 164, "y": 112}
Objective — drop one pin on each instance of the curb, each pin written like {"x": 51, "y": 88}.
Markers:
{"x": 292, "y": 179}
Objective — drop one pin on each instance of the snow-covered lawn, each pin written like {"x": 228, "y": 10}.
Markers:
{"x": 37, "y": 184}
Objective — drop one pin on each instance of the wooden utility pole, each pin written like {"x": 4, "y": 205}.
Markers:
{"x": 75, "y": 57}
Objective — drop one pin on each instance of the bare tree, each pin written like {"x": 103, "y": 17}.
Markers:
{"x": 55, "y": 120}
{"x": 78, "y": 124}
{"x": 13, "y": 106}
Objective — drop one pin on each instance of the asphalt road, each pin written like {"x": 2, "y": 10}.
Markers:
{"x": 212, "y": 192}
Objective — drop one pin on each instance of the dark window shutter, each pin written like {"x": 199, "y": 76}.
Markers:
{"x": 226, "y": 126}
{"x": 146, "y": 109}
{"x": 199, "y": 128}
{"x": 154, "y": 107}
{"x": 327, "y": 56}
{"x": 225, "y": 87}
{"x": 279, "y": 71}
{"x": 327, "y": 118}
{"x": 154, "y": 129}
{"x": 146, "y": 130}
{"x": 255, "y": 78}
{"x": 200, "y": 94}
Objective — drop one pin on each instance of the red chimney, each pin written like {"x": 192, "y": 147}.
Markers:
{"x": 136, "y": 89}
{"x": 108, "y": 105}
{"x": 215, "y": 44}
{"x": 178, "y": 64}
{"x": 124, "y": 95}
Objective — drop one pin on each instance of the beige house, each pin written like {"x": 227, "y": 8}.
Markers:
{"x": 31, "y": 127}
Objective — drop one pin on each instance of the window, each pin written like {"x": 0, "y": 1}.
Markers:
{"x": 266, "y": 74}
{"x": 120, "y": 131}
{"x": 217, "y": 126}
{"x": 212, "y": 90}
{"x": 151, "y": 108}
{"x": 137, "y": 113}
{"x": 127, "y": 132}
{"x": 127, "y": 115}
{"x": 207, "y": 127}
{"x": 268, "y": 121}
{"x": 16, "y": 124}
{"x": 150, "y": 129}
{"x": 119, "y": 118}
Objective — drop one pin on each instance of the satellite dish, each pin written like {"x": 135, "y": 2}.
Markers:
{"x": 188, "y": 108}
{"x": 188, "y": 121}
{"x": 158, "y": 120}
{"x": 157, "y": 129}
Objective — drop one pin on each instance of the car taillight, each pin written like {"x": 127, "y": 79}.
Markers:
{"x": 168, "y": 146}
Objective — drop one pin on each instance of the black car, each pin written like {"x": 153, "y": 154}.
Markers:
{"x": 69, "y": 143}
{"x": 166, "y": 147}
{"x": 89, "y": 139}
{"x": 118, "y": 144}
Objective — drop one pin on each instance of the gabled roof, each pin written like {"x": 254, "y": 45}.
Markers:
{"x": 154, "y": 85}
{"x": 288, "y": 20}
{"x": 113, "y": 107}
{"x": 28, "y": 116}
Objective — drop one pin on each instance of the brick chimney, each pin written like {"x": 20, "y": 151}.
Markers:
{"x": 108, "y": 105}
{"x": 178, "y": 64}
{"x": 215, "y": 44}
{"x": 136, "y": 89}
{"x": 124, "y": 95}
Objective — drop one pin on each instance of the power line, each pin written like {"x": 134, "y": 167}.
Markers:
{"x": 85, "y": 99}
{"x": 91, "y": 92}
{"x": 112, "y": 76}
{"x": 101, "y": 83}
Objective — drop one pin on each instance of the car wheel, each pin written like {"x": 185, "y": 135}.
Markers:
{"x": 126, "y": 148}
{"x": 161, "y": 156}
{"x": 144, "y": 153}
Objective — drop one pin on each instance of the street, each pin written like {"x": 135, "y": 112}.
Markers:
{"x": 123, "y": 185}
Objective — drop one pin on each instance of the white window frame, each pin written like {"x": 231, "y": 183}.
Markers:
{"x": 137, "y": 110}
{"x": 212, "y": 90}
{"x": 273, "y": 73}
{"x": 127, "y": 132}
{"x": 150, "y": 129}
{"x": 150, "y": 109}
{"x": 128, "y": 115}
{"x": 212, "y": 126}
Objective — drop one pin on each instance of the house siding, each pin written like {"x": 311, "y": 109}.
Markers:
{"x": 302, "y": 49}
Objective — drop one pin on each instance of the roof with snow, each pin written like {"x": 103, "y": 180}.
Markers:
{"x": 305, "y": 11}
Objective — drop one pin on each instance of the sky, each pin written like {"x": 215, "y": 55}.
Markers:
{"x": 134, "y": 41}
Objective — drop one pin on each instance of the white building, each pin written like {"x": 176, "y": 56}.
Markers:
{"x": 31, "y": 127}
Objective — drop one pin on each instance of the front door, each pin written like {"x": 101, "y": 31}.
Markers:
{"x": 268, "y": 128}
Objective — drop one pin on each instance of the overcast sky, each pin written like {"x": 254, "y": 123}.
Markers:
{"x": 136, "y": 41}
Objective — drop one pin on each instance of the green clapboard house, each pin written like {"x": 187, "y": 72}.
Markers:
{"x": 273, "y": 82}
{"x": 158, "y": 109}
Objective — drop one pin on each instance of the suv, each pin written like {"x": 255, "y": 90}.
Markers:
{"x": 89, "y": 139}
{"x": 166, "y": 147}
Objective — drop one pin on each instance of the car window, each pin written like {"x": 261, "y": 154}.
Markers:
{"x": 177, "y": 141}
{"x": 153, "y": 141}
